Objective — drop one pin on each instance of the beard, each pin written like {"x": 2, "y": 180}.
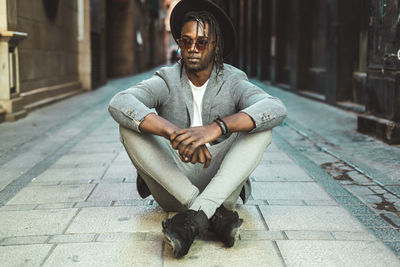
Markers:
{"x": 201, "y": 65}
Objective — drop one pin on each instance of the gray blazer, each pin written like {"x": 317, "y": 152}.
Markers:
{"x": 169, "y": 93}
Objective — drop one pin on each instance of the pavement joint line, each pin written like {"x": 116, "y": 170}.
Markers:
{"x": 327, "y": 182}
{"x": 71, "y": 220}
{"x": 262, "y": 218}
{"x": 96, "y": 236}
{"x": 53, "y": 247}
{"x": 48, "y": 239}
{"x": 108, "y": 167}
{"x": 333, "y": 236}
{"x": 91, "y": 192}
{"x": 275, "y": 245}
{"x": 15, "y": 186}
{"x": 285, "y": 237}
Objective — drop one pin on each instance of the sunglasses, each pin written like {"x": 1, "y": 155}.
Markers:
{"x": 200, "y": 44}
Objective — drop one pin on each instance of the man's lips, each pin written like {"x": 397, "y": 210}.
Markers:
{"x": 193, "y": 59}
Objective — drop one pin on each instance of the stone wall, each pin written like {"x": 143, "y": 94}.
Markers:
{"x": 43, "y": 58}
{"x": 48, "y": 58}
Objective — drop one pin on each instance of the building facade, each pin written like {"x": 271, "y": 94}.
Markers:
{"x": 39, "y": 54}
{"x": 344, "y": 53}
{"x": 53, "y": 49}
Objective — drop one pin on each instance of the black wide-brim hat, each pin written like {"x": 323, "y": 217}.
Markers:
{"x": 225, "y": 23}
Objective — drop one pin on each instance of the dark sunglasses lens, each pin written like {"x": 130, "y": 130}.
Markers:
{"x": 201, "y": 44}
{"x": 185, "y": 43}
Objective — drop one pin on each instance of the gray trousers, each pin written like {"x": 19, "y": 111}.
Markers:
{"x": 177, "y": 186}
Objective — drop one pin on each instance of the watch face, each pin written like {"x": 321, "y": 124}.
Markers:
{"x": 51, "y": 8}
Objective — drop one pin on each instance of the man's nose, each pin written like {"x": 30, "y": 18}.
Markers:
{"x": 193, "y": 47}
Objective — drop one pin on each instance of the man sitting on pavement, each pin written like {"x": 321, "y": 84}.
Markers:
{"x": 211, "y": 127}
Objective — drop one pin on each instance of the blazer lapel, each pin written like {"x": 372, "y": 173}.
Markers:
{"x": 213, "y": 87}
{"x": 187, "y": 95}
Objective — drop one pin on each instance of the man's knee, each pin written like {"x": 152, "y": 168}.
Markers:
{"x": 266, "y": 137}
{"x": 261, "y": 139}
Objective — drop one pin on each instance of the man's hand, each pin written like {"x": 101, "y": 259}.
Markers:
{"x": 201, "y": 155}
{"x": 188, "y": 140}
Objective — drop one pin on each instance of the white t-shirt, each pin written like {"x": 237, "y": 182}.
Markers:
{"x": 198, "y": 93}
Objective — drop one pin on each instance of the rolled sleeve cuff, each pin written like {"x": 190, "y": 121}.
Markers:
{"x": 264, "y": 120}
{"x": 130, "y": 118}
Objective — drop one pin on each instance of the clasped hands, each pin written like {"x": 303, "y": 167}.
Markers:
{"x": 191, "y": 143}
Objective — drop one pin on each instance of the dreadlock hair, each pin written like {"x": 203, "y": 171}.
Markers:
{"x": 202, "y": 18}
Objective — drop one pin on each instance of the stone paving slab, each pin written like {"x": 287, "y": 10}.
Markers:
{"x": 354, "y": 236}
{"x": 275, "y": 157}
{"x": 118, "y": 170}
{"x": 35, "y": 222}
{"x": 73, "y": 159}
{"x": 24, "y": 240}
{"x": 122, "y": 158}
{"x": 120, "y": 191}
{"x": 72, "y": 238}
{"x": 135, "y": 236}
{"x": 70, "y": 174}
{"x": 321, "y": 202}
{"x": 52, "y": 194}
{"x": 9, "y": 174}
{"x": 117, "y": 219}
{"x": 28, "y": 255}
{"x": 249, "y": 253}
{"x": 252, "y": 219}
{"x": 310, "y": 218}
{"x": 93, "y": 148}
{"x": 289, "y": 190}
{"x": 18, "y": 207}
{"x": 256, "y": 235}
{"x": 309, "y": 235}
{"x": 118, "y": 237}
{"x": 336, "y": 253}
{"x": 281, "y": 172}
{"x": 286, "y": 202}
{"x": 138, "y": 253}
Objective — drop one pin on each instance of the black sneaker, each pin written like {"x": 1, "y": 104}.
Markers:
{"x": 225, "y": 224}
{"x": 181, "y": 230}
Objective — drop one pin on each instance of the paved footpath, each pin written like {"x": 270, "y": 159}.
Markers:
{"x": 68, "y": 197}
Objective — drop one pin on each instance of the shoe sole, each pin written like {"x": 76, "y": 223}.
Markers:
{"x": 173, "y": 243}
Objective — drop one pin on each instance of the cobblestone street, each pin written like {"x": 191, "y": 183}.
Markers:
{"x": 323, "y": 195}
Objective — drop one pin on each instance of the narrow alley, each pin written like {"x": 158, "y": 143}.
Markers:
{"x": 327, "y": 190}
{"x": 320, "y": 197}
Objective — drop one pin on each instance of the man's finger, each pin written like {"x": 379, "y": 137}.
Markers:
{"x": 178, "y": 140}
{"x": 190, "y": 149}
{"x": 194, "y": 157}
{"x": 178, "y": 133}
{"x": 186, "y": 147}
{"x": 201, "y": 157}
{"x": 208, "y": 157}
